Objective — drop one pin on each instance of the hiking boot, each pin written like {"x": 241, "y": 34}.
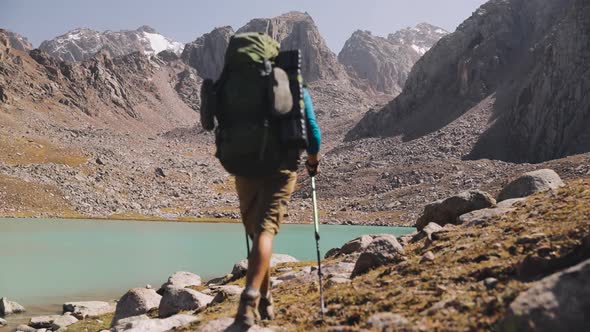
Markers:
{"x": 266, "y": 308}
{"x": 247, "y": 313}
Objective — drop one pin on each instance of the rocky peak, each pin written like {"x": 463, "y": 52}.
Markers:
{"x": 421, "y": 37}
{"x": 383, "y": 65}
{"x": 386, "y": 63}
{"x": 81, "y": 44}
{"x": 296, "y": 30}
{"x": 146, "y": 28}
{"x": 16, "y": 41}
{"x": 207, "y": 53}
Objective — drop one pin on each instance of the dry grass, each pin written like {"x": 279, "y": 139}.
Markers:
{"x": 92, "y": 324}
{"x": 26, "y": 151}
{"x": 25, "y": 199}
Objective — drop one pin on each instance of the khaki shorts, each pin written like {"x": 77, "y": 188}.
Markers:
{"x": 264, "y": 200}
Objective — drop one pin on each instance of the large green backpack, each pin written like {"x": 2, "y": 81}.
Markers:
{"x": 251, "y": 96}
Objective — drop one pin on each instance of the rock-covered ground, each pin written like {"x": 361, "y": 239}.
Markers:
{"x": 483, "y": 271}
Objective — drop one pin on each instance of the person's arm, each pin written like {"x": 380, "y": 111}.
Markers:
{"x": 314, "y": 136}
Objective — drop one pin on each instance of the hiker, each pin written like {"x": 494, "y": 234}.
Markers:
{"x": 260, "y": 142}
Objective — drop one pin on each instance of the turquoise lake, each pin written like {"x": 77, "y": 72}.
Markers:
{"x": 48, "y": 261}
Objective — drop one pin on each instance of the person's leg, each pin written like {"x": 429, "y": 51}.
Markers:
{"x": 265, "y": 305}
{"x": 259, "y": 262}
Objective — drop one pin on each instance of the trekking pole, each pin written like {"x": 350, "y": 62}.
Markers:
{"x": 247, "y": 245}
{"x": 317, "y": 243}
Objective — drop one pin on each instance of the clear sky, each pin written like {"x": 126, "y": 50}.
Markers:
{"x": 185, "y": 20}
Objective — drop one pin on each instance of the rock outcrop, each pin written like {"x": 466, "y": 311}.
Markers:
{"x": 83, "y": 44}
{"x": 447, "y": 211}
{"x": 207, "y": 53}
{"x": 297, "y": 30}
{"x": 385, "y": 63}
{"x": 524, "y": 54}
{"x": 384, "y": 249}
{"x": 17, "y": 41}
{"x": 8, "y": 307}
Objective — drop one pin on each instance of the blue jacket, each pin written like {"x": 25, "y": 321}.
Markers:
{"x": 314, "y": 135}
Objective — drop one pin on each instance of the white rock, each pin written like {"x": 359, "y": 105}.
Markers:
{"x": 10, "y": 307}
{"x": 136, "y": 301}
{"x": 89, "y": 309}
{"x": 145, "y": 324}
{"x": 181, "y": 279}
{"x": 176, "y": 300}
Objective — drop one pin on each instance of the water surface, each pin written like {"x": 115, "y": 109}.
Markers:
{"x": 49, "y": 261}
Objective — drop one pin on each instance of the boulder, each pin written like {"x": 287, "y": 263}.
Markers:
{"x": 54, "y": 322}
{"x": 89, "y": 309}
{"x": 225, "y": 293}
{"x": 447, "y": 211}
{"x": 558, "y": 302}
{"x": 387, "y": 321}
{"x": 383, "y": 250}
{"x": 357, "y": 245}
{"x": 176, "y": 300}
{"x": 531, "y": 183}
{"x": 136, "y": 301}
{"x": 481, "y": 217}
{"x": 3, "y": 322}
{"x": 9, "y": 307}
{"x": 427, "y": 232}
{"x": 181, "y": 279}
{"x": 144, "y": 324}
{"x": 240, "y": 268}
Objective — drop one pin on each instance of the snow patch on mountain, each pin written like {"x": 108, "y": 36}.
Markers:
{"x": 159, "y": 43}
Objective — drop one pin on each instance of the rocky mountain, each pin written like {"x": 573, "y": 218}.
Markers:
{"x": 82, "y": 44}
{"x": 206, "y": 54}
{"x": 298, "y": 30}
{"x": 528, "y": 58}
{"x": 17, "y": 41}
{"x": 386, "y": 63}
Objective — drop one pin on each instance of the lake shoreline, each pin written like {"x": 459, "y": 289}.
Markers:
{"x": 191, "y": 221}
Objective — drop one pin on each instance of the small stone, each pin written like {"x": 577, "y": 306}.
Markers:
{"x": 3, "y": 322}
{"x": 427, "y": 257}
{"x": 490, "y": 282}
{"x": 387, "y": 321}
{"x": 497, "y": 246}
{"x": 148, "y": 286}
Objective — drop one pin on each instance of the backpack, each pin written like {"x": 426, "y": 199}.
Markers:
{"x": 253, "y": 103}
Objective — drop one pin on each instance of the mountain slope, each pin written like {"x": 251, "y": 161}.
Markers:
{"x": 508, "y": 51}
{"x": 206, "y": 54}
{"x": 82, "y": 44}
